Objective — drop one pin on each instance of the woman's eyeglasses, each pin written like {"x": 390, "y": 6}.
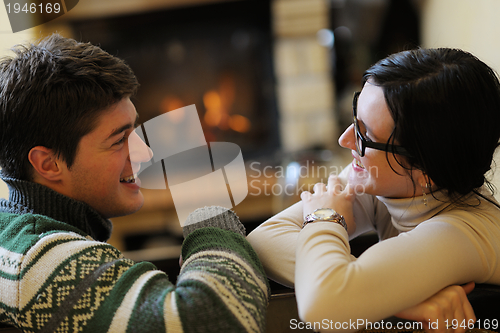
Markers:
{"x": 362, "y": 142}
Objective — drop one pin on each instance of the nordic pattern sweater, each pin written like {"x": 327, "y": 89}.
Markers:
{"x": 57, "y": 274}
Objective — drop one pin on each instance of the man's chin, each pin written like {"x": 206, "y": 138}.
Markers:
{"x": 125, "y": 208}
{"x": 134, "y": 207}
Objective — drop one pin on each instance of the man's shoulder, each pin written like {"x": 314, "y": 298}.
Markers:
{"x": 37, "y": 223}
{"x": 21, "y": 231}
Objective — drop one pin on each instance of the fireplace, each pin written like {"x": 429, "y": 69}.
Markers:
{"x": 217, "y": 56}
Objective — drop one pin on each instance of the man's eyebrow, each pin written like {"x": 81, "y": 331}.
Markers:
{"x": 124, "y": 127}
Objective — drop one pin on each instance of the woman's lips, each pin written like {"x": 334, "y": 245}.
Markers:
{"x": 357, "y": 165}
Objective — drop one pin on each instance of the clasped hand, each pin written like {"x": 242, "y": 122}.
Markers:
{"x": 448, "y": 306}
{"x": 335, "y": 196}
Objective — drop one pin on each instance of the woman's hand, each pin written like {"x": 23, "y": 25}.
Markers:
{"x": 333, "y": 196}
{"x": 448, "y": 306}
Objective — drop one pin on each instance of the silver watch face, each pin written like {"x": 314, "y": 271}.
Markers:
{"x": 324, "y": 213}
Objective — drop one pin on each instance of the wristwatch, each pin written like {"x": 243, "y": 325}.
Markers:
{"x": 327, "y": 215}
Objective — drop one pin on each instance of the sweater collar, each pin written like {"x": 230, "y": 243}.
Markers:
{"x": 407, "y": 213}
{"x": 32, "y": 198}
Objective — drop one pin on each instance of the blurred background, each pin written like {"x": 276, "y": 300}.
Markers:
{"x": 276, "y": 77}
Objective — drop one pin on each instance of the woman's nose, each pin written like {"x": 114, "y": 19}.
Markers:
{"x": 347, "y": 138}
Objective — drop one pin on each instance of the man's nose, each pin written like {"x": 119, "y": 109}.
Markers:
{"x": 138, "y": 150}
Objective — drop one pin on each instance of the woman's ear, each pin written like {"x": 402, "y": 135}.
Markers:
{"x": 425, "y": 181}
{"x": 45, "y": 164}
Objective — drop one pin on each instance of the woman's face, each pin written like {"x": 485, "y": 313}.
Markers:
{"x": 372, "y": 173}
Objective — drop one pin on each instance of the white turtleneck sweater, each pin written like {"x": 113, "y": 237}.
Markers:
{"x": 422, "y": 250}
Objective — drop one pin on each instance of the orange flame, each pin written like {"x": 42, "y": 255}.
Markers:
{"x": 239, "y": 123}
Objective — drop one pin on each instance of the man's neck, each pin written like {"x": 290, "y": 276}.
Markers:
{"x": 32, "y": 198}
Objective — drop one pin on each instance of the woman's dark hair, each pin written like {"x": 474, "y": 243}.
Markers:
{"x": 52, "y": 94}
{"x": 446, "y": 107}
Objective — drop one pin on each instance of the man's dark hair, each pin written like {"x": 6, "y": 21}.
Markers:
{"x": 52, "y": 94}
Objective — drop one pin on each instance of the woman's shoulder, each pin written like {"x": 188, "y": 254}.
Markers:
{"x": 478, "y": 211}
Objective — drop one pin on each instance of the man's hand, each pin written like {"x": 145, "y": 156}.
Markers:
{"x": 450, "y": 305}
{"x": 333, "y": 196}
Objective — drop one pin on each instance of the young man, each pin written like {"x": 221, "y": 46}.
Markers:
{"x": 67, "y": 151}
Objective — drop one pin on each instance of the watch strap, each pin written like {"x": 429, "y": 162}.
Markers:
{"x": 337, "y": 219}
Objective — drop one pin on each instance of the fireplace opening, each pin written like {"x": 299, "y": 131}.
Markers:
{"x": 217, "y": 56}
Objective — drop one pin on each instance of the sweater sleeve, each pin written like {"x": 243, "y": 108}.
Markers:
{"x": 75, "y": 283}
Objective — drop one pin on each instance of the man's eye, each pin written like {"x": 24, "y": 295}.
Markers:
{"x": 122, "y": 140}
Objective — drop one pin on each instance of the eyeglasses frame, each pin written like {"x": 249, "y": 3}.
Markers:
{"x": 387, "y": 147}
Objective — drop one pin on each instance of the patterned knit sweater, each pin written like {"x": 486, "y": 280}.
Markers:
{"x": 57, "y": 274}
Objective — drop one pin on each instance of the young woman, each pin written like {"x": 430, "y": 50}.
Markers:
{"x": 425, "y": 127}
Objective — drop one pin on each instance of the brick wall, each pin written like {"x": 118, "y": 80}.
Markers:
{"x": 304, "y": 84}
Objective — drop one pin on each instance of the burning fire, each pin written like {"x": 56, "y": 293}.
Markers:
{"x": 218, "y": 104}
{"x": 215, "y": 115}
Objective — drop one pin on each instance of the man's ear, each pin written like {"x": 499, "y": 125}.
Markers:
{"x": 45, "y": 163}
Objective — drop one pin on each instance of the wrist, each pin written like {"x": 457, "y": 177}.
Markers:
{"x": 325, "y": 215}
{"x": 217, "y": 217}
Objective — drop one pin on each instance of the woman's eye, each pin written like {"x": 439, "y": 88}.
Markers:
{"x": 368, "y": 138}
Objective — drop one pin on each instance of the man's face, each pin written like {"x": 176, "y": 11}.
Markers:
{"x": 102, "y": 175}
